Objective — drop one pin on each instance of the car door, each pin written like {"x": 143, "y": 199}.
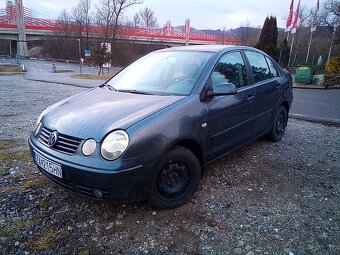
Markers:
{"x": 267, "y": 89}
{"x": 230, "y": 117}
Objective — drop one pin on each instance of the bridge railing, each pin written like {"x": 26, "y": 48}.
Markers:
{"x": 40, "y": 22}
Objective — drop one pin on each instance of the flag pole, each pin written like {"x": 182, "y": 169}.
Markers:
{"x": 287, "y": 36}
{"x": 330, "y": 47}
{"x": 291, "y": 48}
{"x": 310, "y": 42}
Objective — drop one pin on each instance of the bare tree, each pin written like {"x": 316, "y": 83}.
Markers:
{"x": 64, "y": 24}
{"x": 78, "y": 20}
{"x": 87, "y": 16}
{"x": 119, "y": 7}
{"x": 82, "y": 17}
{"x": 305, "y": 16}
{"x": 329, "y": 14}
{"x": 145, "y": 18}
{"x": 105, "y": 16}
{"x": 245, "y": 32}
{"x": 61, "y": 47}
{"x": 109, "y": 15}
{"x": 137, "y": 20}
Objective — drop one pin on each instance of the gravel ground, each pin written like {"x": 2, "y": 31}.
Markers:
{"x": 266, "y": 198}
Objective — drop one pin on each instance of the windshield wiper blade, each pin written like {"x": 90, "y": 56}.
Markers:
{"x": 109, "y": 86}
{"x": 135, "y": 91}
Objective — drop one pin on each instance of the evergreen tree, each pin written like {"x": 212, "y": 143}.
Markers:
{"x": 100, "y": 56}
{"x": 268, "y": 38}
{"x": 284, "y": 53}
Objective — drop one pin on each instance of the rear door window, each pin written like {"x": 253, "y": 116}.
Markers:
{"x": 259, "y": 66}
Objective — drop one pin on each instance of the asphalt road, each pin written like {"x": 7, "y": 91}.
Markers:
{"x": 41, "y": 70}
{"x": 317, "y": 105}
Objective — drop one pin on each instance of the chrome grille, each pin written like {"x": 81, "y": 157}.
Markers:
{"x": 65, "y": 144}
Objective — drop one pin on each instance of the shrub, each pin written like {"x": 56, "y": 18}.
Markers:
{"x": 333, "y": 65}
{"x": 331, "y": 80}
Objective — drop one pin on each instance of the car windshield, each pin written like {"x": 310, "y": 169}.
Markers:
{"x": 162, "y": 73}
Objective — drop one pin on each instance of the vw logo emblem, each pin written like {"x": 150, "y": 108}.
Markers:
{"x": 53, "y": 138}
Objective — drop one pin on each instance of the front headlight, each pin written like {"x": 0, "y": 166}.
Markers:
{"x": 114, "y": 144}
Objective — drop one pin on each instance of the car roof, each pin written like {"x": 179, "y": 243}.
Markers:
{"x": 208, "y": 48}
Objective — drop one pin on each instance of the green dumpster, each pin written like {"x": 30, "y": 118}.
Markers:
{"x": 304, "y": 74}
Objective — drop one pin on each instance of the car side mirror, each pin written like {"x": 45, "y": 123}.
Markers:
{"x": 223, "y": 89}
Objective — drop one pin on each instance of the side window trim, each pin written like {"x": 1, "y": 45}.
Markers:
{"x": 251, "y": 81}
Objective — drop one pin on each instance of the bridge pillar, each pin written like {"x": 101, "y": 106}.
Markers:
{"x": 22, "y": 42}
{"x": 187, "y": 31}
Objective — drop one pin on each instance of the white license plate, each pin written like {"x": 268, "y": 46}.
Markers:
{"x": 48, "y": 165}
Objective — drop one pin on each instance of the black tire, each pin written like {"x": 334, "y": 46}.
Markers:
{"x": 279, "y": 124}
{"x": 175, "y": 180}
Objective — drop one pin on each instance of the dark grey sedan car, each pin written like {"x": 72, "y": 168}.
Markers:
{"x": 149, "y": 131}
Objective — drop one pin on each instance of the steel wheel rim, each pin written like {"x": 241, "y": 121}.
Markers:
{"x": 173, "y": 180}
{"x": 280, "y": 123}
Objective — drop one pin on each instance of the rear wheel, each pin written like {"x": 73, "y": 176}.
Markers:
{"x": 175, "y": 180}
{"x": 279, "y": 124}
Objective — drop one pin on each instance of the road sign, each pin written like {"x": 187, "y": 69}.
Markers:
{"x": 87, "y": 53}
{"x": 82, "y": 60}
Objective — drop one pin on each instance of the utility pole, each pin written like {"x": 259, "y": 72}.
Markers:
{"x": 80, "y": 62}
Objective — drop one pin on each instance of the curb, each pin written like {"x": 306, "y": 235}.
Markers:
{"x": 10, "y": 73}
{"x": 325, "y": 121}
{"x": 307, "y": 87}
{"x": 60, "y": 82}
{"x": 315, "y": 87}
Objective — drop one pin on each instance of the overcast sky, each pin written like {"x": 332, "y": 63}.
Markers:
{"x": 214, "y": 14}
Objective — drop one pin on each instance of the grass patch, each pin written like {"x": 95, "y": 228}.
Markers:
{"x": 32, "y": 183}
{"x": 92, "y": 76}
{"x": 62, "y": 71}
{"x": 13, "y": 228}
{"x": 8, "y": 68}
{"x": 43, "y": 203}
{"x": 49, "y": 238}
{"x": 4, "y": 144}
{"x": 84, "y": 252}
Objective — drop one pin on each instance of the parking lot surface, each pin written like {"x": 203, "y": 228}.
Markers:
{"x": 265, "y": 198}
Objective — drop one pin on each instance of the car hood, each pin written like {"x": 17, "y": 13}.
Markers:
{"x": 96, "y": 112}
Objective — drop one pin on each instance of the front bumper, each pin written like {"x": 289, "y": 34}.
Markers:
{"x": 118, "y": 184}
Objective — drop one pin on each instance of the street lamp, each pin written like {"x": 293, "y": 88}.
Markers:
{"x": 80, "y": 63}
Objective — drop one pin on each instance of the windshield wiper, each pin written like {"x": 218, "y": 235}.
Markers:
{"x": 135, "y": 91}
{"x": 109, "y": 86}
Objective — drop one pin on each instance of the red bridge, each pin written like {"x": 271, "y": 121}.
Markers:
{"x": 36, "y": 26}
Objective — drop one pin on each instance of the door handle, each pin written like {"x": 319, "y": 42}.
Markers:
{"x": 278, "y": 86}
{"x": 250, "y": 97}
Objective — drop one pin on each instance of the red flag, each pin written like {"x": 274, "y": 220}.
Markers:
{"x": 296, "y": 18}
{"x": 290, "y": 17}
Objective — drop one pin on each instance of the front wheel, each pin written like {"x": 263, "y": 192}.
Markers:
{"x": 175, "y": 180}
{"x": 279, "y": 124}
